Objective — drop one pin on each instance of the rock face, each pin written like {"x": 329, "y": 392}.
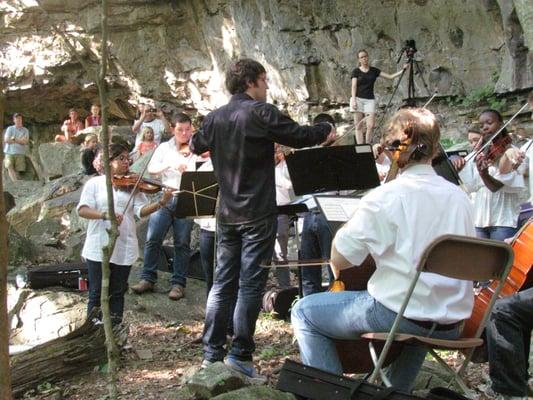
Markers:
{"x": 176, "y": 52}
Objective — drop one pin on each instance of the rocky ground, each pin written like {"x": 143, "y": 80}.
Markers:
{"x": 160, "y": 355}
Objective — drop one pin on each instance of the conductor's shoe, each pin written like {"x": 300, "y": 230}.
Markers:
{"x": 143, "y": 287}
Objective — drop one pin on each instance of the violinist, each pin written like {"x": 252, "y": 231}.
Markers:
{"x": 170, "y": 160}
{"x": 495, "y": 180}
{"x": 394, "y": 223}
{"x": 93, "y": 206}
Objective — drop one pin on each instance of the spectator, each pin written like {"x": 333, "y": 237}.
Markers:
{"x": 94, "y": 119}
{"x": 155, "y": 119}
{"x": 88, "y": 154}
{"x": 70, "y": 128}
{"x": 147, "y": 141}
{"x": 16, "y": 141}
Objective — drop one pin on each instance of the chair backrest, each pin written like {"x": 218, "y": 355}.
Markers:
{"x": 467, "y": 258}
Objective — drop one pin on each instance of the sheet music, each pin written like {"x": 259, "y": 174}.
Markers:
{"x": 337, "y": 208}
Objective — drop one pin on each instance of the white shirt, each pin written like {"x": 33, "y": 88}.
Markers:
{"x": 94, "y": 195}
{"x": 528, "y": 162}
{"x": 394, "y": 224}
{"x": 167, "y": 155}
{"x": 500, "y": 208}
{"x": 284, "y": 192}
{"x": 157, "y": 126}
{"x": 207, "y": 224}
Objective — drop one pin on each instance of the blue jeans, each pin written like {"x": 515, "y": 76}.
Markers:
{"x": 496, "y": 232}
{"x": 322, "y": 317}
{"x": 240, "y": 251}
{"x": 316, "y": 243}
{"x": 118, "y": 285}
{"x": 158, "y": 226}
{"x": 283, "y": 275}
{"x": 207, "y": 256}
{"x": 508, "y": 338}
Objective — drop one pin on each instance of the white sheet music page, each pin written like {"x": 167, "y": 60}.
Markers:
{"x": 337, "y": 208}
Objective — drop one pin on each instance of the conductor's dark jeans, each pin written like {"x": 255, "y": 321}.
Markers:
{"x": 508, "y": 339}
{"x": 241, "y": 249}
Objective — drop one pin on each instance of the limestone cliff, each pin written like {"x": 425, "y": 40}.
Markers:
{"x": 175, "y": 52}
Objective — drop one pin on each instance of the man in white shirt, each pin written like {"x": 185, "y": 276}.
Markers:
{"x": 16, "y": 139}
{"x": 154, "y": 119}
{"x": 394, "y": 224}
{"x": 170, "y": 159}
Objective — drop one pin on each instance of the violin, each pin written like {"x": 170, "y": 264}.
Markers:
{"x": 131, "y": 182}
{"x": 497, "y": 148}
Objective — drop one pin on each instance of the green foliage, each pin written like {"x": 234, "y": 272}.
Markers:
{"x": 47, "y": 388}
{"x": 271, "y": 352}
{"x": 483, "y": 95}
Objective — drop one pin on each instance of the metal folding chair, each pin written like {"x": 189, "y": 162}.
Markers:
{"x": 457, "y": 257}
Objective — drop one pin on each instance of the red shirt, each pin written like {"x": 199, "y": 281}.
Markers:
{"x": 92, "y": 120}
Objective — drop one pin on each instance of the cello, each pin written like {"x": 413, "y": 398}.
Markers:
{"x": 520, "y": 277}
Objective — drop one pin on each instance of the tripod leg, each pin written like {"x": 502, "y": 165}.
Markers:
{"x": 386, "y": 110}
{"x": 419, "y": 72}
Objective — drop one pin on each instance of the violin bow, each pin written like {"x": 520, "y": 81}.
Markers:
{"x": 474, "y": 154}
{"x": 139, "y": 179}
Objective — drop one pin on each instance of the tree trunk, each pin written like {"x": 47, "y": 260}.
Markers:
{"x": 112, "y": 349}
{"x": 5, "y": 382}
{"x": 79, "y": 351}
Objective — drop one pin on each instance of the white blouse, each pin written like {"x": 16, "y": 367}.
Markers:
{"x": 94, "y": 195}
{"x": 500, "y": 208}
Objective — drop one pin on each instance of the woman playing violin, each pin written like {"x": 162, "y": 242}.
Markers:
{"x": 496, "y": 181}
{"x": 93, "y": 206}
{"x": 394, "y": 224}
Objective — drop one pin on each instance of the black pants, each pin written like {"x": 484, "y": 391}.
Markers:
{"x": 508, "y": 338}
{"x": 118, "y": 285}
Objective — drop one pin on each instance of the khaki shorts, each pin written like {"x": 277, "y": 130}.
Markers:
{"x": 365, "y": 105}
{"x": 15, "y": 160}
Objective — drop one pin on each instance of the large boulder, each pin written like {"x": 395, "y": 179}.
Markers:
{"x": 59, "y": 159}
{"x": 42, "y": 315}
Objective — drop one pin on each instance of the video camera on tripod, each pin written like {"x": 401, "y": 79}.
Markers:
{"x": 409, "y": 48}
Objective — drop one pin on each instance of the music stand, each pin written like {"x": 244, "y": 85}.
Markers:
{"x": 324, "y": 169}
{"x": 197, "y": 196}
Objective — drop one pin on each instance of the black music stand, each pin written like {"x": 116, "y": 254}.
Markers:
{"x": 197, "y": 196}
{"x": 324, "y": 169}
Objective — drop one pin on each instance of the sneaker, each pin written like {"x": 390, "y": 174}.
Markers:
{"x": 206, "y": 363}
{"x": 143, "y": 287}
{"x": 177, "y": 292}
{"x": 246, "y": 368}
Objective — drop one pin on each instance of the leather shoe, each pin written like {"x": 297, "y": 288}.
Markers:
{"x": 143, "y": 287}
{"x": 177, "y": 292}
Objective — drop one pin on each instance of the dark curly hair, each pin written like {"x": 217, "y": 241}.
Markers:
{"x": 243, "y": 71}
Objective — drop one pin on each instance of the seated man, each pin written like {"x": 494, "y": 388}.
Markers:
{"x": 394, "y": 224}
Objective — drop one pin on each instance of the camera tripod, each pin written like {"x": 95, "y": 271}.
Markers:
{"x": 409, "y": 50}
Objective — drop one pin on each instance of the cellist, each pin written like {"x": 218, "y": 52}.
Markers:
{"x": 394, "y": 223}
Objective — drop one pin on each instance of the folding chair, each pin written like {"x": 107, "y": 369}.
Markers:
{"x": 457, "y": 257}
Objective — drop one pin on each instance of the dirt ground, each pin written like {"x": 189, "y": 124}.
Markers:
{"x": 160, "y": 353}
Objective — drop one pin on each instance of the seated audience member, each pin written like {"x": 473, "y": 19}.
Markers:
{"x": 88, "y": 153}
{"x": 395, "y": 236}
{"x": 70, "y": 127}
{"x": 147, "y": 141}
{"x": 155, "y": 119}
{"x": 474, "y": 135}
{"x": 383, "y": 162}
{"x": 94, "y": 119}
{"x": 16, "y": 139}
